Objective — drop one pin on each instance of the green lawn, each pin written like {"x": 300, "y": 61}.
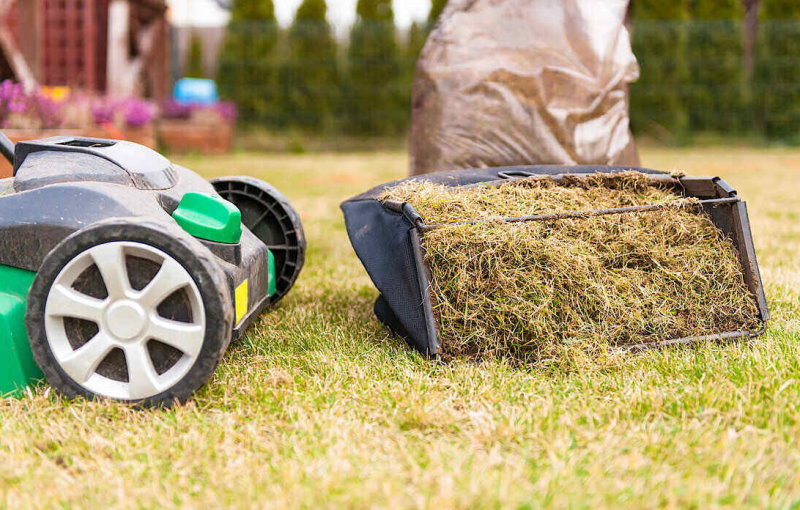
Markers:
{"x": 319, "y": 407}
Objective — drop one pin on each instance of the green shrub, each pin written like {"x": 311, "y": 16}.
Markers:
{"x": 417, "y": 35}
{"x": 437, "y": 6}
{"x": 373, "y": 94}
{"x": 248, "y": 69}
{"x": 309, "y": 78}
{"x": 194, "y": 63}
{"x": 660, "y": 43}
{"x": 777, "y": 74}
{"x": 715, "y": 61}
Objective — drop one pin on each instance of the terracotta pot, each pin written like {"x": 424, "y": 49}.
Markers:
{"x": 144, "y": 135}
{"x": 181, "y": 136}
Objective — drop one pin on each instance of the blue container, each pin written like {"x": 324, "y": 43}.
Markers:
{"x": 195, "y": 91}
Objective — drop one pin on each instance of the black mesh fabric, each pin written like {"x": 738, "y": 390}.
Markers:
{"x": 381, "y": 240}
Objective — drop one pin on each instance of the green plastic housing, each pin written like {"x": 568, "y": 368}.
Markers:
{"x": 18, "y": 370}
{"x": 272, "y": 285}
{"x": 209, "y": 217}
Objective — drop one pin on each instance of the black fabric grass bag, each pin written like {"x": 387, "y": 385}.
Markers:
{"x": 386, "y": 237}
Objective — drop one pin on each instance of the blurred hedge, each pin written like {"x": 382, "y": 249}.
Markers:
{"x": 714, "y": 56}
{"x": 660, "y": 41}
{"x": 691, "y": 53}
{"x": 248, "y": 67}
{"x": 693, "y": 75}
{"x": 309, "y": 78}
{"x": 777, "y": 74}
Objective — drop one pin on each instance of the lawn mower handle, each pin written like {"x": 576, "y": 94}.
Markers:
{"x": 6, "y": 148}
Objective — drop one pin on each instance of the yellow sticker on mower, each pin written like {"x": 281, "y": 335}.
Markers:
{"x": 241, "y": 301}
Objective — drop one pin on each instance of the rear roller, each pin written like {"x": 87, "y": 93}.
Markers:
{"x": 270, "y": 217}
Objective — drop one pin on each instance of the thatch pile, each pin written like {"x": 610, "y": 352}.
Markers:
{"x": 539, "y": 289}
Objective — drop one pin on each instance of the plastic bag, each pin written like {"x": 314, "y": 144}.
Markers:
{"x": 520, "y": 82}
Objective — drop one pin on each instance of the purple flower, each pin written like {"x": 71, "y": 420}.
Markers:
{"x": 172, "y": 109}
{"x": 102, "y": 112}
{"x": 138, "y": 113}
{"x": 227, "y": 110}
{"x": 13, "y": 100}
{"x": 34, "y": 108}
{"x": 48, "y": 111}
{"x": 13, "y": 96}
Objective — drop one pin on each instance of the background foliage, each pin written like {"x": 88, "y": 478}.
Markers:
{"x": 194, "y": 64}
{"x": 660, "y": 40}
{"x": 694, "y": 76}
{"x": 248, "y": 63}
{"x": 372, "y": 94}
{"x": 777, "y": 80}
{"x": 309, "y": 77}
{"x": 714, "y": 60}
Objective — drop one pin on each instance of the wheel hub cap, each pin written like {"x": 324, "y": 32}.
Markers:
{"x": 125, "y": 320}
{"x": 151, "y": 352}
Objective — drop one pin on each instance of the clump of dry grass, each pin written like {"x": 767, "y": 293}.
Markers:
{"x": 551, "y": 291}
{"x": 527, "y": 197}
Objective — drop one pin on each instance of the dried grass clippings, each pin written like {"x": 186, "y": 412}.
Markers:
{"x": 562, "y": 290}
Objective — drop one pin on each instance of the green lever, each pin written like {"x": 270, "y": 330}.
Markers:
{"x": 209, "y": 217}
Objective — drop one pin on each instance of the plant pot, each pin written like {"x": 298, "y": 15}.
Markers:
{"x": 143, "y": 135}
{"x": 182, "y": 136}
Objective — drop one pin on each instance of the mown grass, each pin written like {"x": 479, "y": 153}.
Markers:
{"x": 554, "y": 293}
{"x": 319, "y": 407}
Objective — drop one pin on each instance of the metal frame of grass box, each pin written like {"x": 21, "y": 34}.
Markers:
{"x": 387, "y": 238}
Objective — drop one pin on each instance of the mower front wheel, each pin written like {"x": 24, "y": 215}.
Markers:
{"x": 134, "y": 312}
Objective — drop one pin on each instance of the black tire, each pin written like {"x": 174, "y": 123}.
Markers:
{"x": 196, "y": 260}
{"x": 271, "y": 218}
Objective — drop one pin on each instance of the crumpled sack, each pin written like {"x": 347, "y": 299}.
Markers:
{"x": 522, "y": 82}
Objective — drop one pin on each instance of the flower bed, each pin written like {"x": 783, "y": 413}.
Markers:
{"x": 27, "y": 115}
{"x": 27, "y": 110}
{"x": 184, "y": 137}
{"x": 32, "y": 114}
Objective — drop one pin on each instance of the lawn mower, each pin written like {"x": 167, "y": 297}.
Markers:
{"x": 125, "y": 276}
